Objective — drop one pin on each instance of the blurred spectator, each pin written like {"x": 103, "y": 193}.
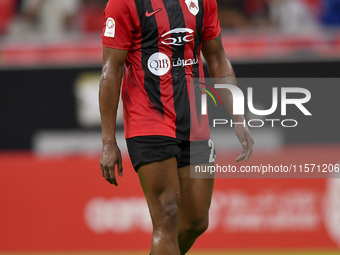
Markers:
{"x": 243, "y": 13}
{"x": 256, "y": 8}
{"x": 50, "y": 19}
{"x": 231, "y": 14}
{"x": 314, "y": 5}
{"x": 92, "y": 15}
{"x": 286, "y": 16}
{"x": 7, "y": 9}
{"x": 331, "y": 12}
{"x": 292, "y": 17}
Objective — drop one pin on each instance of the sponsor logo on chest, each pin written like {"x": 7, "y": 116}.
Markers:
{"x": 179, "y": 36}
{"x": 160, "y": 64}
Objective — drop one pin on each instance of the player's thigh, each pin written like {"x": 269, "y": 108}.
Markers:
{"x": 196, "y": 194}
{"x": 160, "y": 184}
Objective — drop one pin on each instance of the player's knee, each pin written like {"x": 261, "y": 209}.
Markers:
{"x": 197, "y": 227}
{"x": 200, "y": 226}
{"x": 168, "y": 217}
{"x": 170, "y": 213}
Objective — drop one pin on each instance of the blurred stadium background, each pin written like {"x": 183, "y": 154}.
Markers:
{"x": 53, "y": 199}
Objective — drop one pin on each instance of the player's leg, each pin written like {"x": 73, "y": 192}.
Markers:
{"x": 194, "y": 208}
{"x": 161, "y": 188}
{"x": 196, "y": 193}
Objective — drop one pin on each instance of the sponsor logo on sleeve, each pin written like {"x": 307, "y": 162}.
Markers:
{"x": 110, "y": 29}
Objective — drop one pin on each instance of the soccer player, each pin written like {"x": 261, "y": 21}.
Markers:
{"x": 160, "y": 42}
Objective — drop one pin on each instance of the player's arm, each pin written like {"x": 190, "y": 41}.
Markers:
{"x": 222, "y": 72}
{"x": 109, "y": 92}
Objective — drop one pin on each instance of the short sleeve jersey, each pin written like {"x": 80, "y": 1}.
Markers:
{"x": 164, "y": 40}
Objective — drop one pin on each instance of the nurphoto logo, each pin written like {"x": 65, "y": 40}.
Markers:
{"x": 239, "y": 105}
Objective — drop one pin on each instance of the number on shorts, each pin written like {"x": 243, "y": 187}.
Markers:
{"x": 212, "y": 156}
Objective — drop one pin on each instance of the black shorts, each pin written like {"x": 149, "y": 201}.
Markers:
{"x": 148, "y": 149}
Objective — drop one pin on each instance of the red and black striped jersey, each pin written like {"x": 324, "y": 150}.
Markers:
{"x": 164, "y": 40}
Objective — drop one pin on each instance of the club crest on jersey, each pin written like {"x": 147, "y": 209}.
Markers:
{"x": 110, "y": 28}
{"x": 193, "y": 6}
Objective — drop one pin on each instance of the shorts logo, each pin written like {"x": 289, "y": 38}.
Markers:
{"x": 193, "y": 6}
{"x": 183, "y": 36}
{"x": 159, "y": 64}
{"x": 110, "y": 29}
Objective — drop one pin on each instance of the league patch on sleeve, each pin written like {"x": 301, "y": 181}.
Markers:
{"x": 110, "y": 28}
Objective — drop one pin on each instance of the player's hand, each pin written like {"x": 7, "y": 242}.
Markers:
{"x": 246, "y": 141}
{"x": 110, "y": 157}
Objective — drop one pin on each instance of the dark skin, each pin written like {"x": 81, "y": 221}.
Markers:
{"x": 113, "y": 62}
{"x": 178, "y": 205}
{"x": 222, "y": 72}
